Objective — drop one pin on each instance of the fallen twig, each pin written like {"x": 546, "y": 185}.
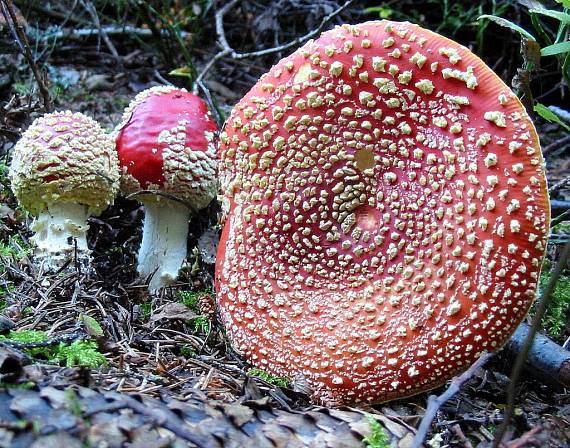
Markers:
{"x": 228, "y": 51}
{"x": 88, "y": 6}
{"x": 109, "y": 30}
{"x": 22, "y": 41}
{"x": 555, "y": 145}
{"x": 521, "y": 358}
{"x": 559, "y": 185}
{"x": 436, "y": 402}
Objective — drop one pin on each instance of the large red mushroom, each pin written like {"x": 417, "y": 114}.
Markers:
{"x": 387, "y": 213}
{"x": 166, "y": 147}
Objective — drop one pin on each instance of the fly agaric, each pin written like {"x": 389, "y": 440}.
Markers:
{"x": 387, "y": 214}
{"x": 64, "y": 168}
{"x": 166, "y": 148}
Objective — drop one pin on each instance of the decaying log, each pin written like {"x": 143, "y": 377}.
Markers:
{"x": 546, "y": 361}
{"x": 77, "y": 416}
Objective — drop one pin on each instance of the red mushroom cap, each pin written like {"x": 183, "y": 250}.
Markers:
{"x": 166, "y": 144}
{"x": 388, "y": 213}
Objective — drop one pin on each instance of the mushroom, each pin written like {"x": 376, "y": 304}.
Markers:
{"x": 166, "y": 152}
{"x": 64, "y": 169}
{"x": 387, "y": 214}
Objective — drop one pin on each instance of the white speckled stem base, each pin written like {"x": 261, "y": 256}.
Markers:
{"x": 60, "y": 231}
{"x": 163, "y": 247}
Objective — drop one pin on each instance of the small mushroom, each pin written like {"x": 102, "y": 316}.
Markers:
{"x": 167, "y": 156}
{"x": 387, "y": 214}
{"x": 64, "y": 169}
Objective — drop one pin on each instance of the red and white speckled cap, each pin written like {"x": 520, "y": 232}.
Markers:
{"x": 388, "y": 213}
{"x": 64, "y": 157}
{"x": 166, "y": 144}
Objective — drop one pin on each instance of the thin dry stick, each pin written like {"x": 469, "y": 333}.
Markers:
{"x": 88, "y": 6}
{"x": 556, "y": 145}
{"x": 559, "y": 185}
{"x": 521, "y": 358}
{"x": 436, "y": 402}
{"x": 227, "y": 50}
{"x": 22, "y": 41}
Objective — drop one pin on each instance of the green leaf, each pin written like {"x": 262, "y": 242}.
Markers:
{"x": 562, "y": 16}
{"x": 549, "y": 116}
{"x": 185, "y": 72}
{"x": 508, "y": 24}
{"x": 565, "y": 3}
{"x": 91, "y": 326}
{"x": 551, "y": 50}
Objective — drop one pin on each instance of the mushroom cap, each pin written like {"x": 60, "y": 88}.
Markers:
{"x": 64, "y": 157}
{"x": 388, "y": 213}
{"x": 166, "y": 143}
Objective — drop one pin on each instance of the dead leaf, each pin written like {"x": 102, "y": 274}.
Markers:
{"x": 173, "y": 311}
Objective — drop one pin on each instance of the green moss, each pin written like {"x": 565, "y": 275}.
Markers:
{"x": 378, "y": 437}
{"x": 187, "y": 351}
{"x": 25, "y": 337}
{"x": 555, "y": 319}
{"x": 27, "y": 385}
{"x": 29, "y": 337}
{"x": 81, "y": 353}
{"x": 275, "y": 380}
{"x": 191, "y": 299}
{"x": 14, "y": 248}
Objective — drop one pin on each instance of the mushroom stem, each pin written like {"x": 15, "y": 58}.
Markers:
{"x": 61, "y": 235}
{"x": 163, "y": 247}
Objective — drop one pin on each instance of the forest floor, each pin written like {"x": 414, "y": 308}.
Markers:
{"x": 172, "y": 344}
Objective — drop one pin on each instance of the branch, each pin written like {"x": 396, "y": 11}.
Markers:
{"x": 22, "y": 41}
{"x": 227, "y": 50}
{"x": 88, "y": 6}
{"x": 546, "y": 361}
{"x": 436, "y": 402}
{"x": 521, "y": 358}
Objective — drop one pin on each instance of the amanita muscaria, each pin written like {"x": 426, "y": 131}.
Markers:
{"x": 64, "y": 168}
{"x": 387, "y": 213}
{"x": 166, "y": 147}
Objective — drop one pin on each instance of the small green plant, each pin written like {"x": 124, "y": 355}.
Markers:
{"x": 14, "y": 248}
{"x": 81, "y": 353}
{"x": 146, "y": 310}
{"x": 378, "y": 437}
{"x": 72, "y": 402}
{"x": 187, "y": 351}
{"x": 201, "y": 324}
{"x": 275, "y": 380}
{"x": 555, "y": 319}
{"x": 549, "y": 38}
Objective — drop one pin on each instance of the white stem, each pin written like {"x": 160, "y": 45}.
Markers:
{"x": 163, "y": 247}
{"x": 59, "y": 231}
